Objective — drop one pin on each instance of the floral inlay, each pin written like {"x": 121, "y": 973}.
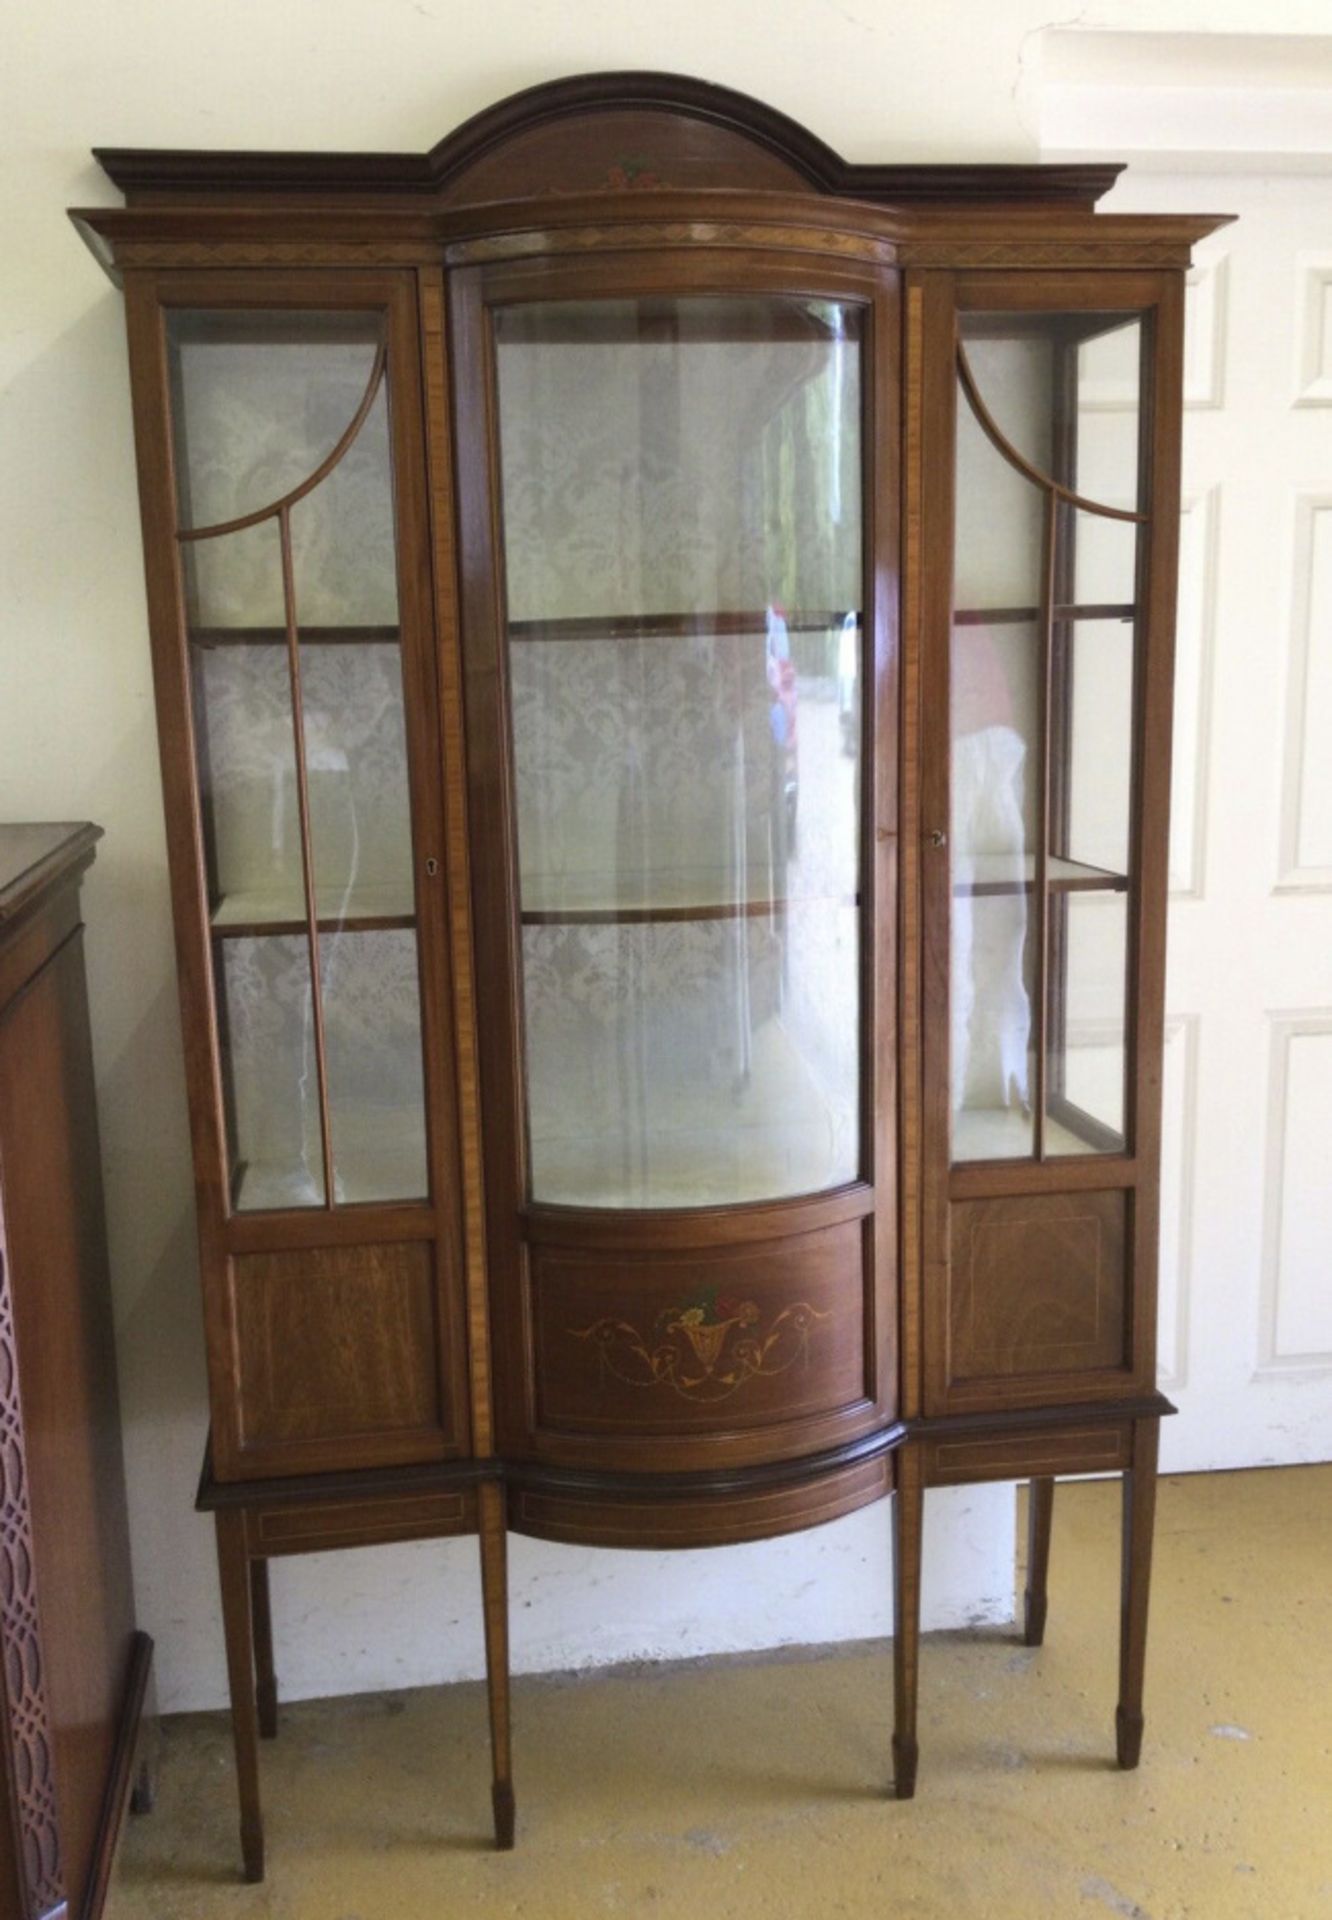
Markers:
{"x": 633, "y": 170}
{"x": 706, "y": 1348}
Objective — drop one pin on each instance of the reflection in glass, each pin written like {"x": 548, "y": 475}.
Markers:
{"x": 1101, "y": 557}
{"x": 1013, "y": 360}
{"x": 370, "y": 981}
{"x": 1097, "y": 755}
{"x": 682, "y": 1062}
{"x": 356, "y": 775}
{"x": 681, "y": 496}
{"x": 1042, "y": 673}
{"x": 1086, "y": 1088}
{"x": 260, "y": 400}
{"x": 342, "y": 535}
{"x": 233, "y": 584}
{"x": 1109, "y": 408}
{"x": 995, "y": 678}
{"x": 1064, "y": 390}
{"x": 271, "y": 1076}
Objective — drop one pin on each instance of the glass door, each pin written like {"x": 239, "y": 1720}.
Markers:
{"x": 1048, "y": 558}
{"x": 681, "y": 482}
{"x": 286, "y": 530}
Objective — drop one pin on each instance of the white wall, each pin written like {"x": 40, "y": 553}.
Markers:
{"x": 881, "y": 79}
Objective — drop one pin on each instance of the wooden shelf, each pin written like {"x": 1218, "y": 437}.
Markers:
{"x": 1007, "y": 1133}
{"x": 666, "y": 626}
{"x": 696, "y": 1145}
{"x": 379, "y": 1155}
{"x": 367, "y": 907}
{"x": 600, "y": 899}
{"x": 1025, "y": 616}
{"x": 1004, "y": 873}
{"x": 308, "y": 636}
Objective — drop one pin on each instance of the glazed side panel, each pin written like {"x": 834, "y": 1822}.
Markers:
{"x": 336, "y": 1335}
{"x": 1038, "y": 1278}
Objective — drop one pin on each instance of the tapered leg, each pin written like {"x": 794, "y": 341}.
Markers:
{"x": 908, "y": 1521}
{"x": 143, "y": 1794}
{"x": 265, "y": 1677}
{"x": 238, "y": 1622}
{"x": 495, "y": 1604}
{"x": 1139, "y": 1518}
{"x": 1040, "y": 1509}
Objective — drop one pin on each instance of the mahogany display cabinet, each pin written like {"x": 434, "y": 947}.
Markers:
{"x": 663, "y": 648}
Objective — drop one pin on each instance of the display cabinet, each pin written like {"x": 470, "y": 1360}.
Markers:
{"x": 74, "y": 1671}
{"x": 663, "y": 654}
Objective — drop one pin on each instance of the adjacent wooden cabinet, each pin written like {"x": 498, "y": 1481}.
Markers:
{"x": 73, "y": 1669}
{"x": 663, "y": 652}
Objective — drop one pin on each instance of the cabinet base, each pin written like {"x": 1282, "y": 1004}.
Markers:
{"x": 258, "y": 1520}
{"x": 703, "y": 1510}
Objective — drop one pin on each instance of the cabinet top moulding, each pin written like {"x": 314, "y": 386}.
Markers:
{"x": 247, "y": 233}
{"x": 617, "y": 160}
{"x": 33, "y": 855}
{"x": 561, "y": 127}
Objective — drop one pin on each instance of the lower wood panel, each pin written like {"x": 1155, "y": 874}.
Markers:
{"x": 1096, "y": 1447}
{"x": 1038, "y": 1292}
{"x": 697, "y": 1520}
{"x": 325, "y": 1526}
{"x": 337, "y": 1343}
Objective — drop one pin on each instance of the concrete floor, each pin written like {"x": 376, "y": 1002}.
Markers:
{"x": 712, "y": 1791}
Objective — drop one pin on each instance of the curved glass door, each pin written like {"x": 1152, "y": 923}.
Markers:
{"x": 681, "y": 494}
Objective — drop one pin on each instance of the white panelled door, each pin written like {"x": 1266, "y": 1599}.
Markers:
{"x": 1246, "y": 1272}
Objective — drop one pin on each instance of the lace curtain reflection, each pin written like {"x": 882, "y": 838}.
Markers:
{"x": 667, "y": 503}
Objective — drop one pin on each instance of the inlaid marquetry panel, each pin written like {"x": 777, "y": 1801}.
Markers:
{"x": 706, "y": 1339}
{"x": 1306, "y": 813}
{"x": 1295, "y": 1333}
{"x": 1037, "y": 1286}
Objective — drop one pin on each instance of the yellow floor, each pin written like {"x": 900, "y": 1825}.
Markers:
{"x": 704, "y": 1792}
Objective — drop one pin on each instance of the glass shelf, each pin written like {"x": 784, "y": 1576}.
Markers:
{"x": 626, "y": 897}
{"x": 731, "y": 623}
{"x": 996, "y": 873}
{"x": 366, "y": 904}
